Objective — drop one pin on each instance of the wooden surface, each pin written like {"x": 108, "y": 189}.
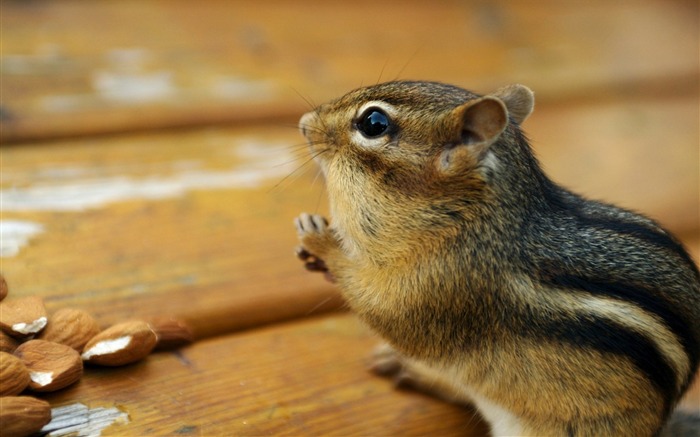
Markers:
{"x": 305, "y": 378}
{"x": 152, "y": 149}
{"x": 196, "y": 224}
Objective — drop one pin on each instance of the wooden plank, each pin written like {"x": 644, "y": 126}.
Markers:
{"x": 190, "y": 222}
{"x": 184, "y": 223}
{"x": 306, "y": 378}
{"x": 641, "y": 154}
{"x": 71, "y": 68}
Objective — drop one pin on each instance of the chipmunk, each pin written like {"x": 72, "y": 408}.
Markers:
{"x": 552, "y": 314}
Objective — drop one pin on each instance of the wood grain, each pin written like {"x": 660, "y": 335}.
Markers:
{"x": 307, "y": 378}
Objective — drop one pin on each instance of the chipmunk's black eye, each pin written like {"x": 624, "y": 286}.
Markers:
{"x": 373, "y": 123}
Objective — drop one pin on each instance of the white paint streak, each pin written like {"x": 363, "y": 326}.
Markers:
{"x": 134, "y": 87}
{"x": 41, "y": 378}
{"x": 236, "y": 88}
{"x": 98, "y": 192}
{"x": 15, "y": 233}
{"x": 67, "y": 102}
{"x": 107, "y": 347}
{"x": 126, "y": 78}
{"x": 30, "y": 328}
{"x": 79, "y": 420}
{"x": 128, "y": 58}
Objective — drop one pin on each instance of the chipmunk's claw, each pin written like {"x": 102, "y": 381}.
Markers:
{"x": 311, "y": 262}
{"x": 310, "y": 224}
{"x": 311, "y": 229}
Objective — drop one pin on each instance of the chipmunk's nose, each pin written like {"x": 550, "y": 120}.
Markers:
{"x": 306, "y": 122}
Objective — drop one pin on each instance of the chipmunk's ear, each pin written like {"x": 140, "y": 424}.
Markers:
{"x": 482, "y": 120}
{"x": 479, "y": 122}
{"x": 519, "y": 99}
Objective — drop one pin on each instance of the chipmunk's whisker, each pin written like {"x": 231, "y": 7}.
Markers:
{"x": 316, "y": 129}
{"x": 296, "y": 170}
{"x": 292, "y": 161}
{"x": 306, "y": 100}
{"x": 299, "y": 147}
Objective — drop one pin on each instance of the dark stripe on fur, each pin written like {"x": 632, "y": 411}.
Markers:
{"x": 609, "y": 337}
{"x": 645, "y": 299}
{"x": 649, "y": 235}
{"x": 572, "y": 204}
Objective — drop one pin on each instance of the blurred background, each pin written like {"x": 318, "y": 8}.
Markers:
{"x": 622, "y": 76}
{"x": 150, "y": 161}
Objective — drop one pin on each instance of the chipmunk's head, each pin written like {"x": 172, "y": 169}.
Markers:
{"x": 412, "y": 142}
{"x": 399, "y": 127}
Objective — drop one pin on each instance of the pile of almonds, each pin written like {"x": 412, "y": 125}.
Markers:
{"x": 41, "y": 354}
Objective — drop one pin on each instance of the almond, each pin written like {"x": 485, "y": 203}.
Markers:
{"x": 121, "y": 344}
{"x": 7, "y": 343}
{"x": 22, "y": 317}
{"x": 52, "y": 366}
{"x": 3, "y": 287}
{"x": 23, "y": 415}
{"x": 71, "y": 327}
{"x": 14, "y": 376}
{"x": 171, "y": 332}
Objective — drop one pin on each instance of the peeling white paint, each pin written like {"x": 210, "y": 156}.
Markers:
{"x": 236, "y": 88}
{"x": 126, "y": 78}
{"x": 57, "y": 173}
{"x": 14, "y": 234}
{"x": 128, "y": 58}
{"x": 96, "y": 192}
{"x": 134, "y": 87}
{"x": 67, "y": 102}
{"x": 48, "y": 58}
{"x": 79, "y": 420}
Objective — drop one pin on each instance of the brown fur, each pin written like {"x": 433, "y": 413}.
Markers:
{"x": 490, "y": 281}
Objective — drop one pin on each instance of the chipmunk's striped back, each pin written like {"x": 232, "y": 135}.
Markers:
{"x": 601, "y": 254}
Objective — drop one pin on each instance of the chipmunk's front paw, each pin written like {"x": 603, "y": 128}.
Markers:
{"x": 316, "y": 240}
